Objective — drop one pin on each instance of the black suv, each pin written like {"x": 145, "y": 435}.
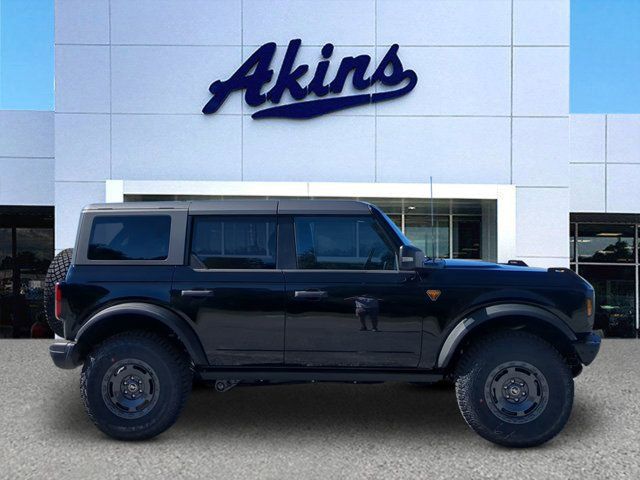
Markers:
{"x": 156, "y": 294}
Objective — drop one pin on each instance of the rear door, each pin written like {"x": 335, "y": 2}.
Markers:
{"x": 232, "y": 289}
{"x": 347, "y": 302}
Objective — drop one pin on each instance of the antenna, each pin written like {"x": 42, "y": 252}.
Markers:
{"x": 433, "y": 231}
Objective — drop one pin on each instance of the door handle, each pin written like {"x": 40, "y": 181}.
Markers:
{"x": 310, "y": 294}
{"x": 196, "y": 293}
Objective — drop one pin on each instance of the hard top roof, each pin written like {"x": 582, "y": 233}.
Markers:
{"x": 231, "y": 207}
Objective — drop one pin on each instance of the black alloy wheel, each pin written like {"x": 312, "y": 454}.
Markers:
{"x": 516, "y": 392}
{"x": 130, "y": 388}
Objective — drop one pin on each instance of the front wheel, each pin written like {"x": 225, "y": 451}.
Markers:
{"x": 514, "y": 389}
{"x": 134, "y": 385}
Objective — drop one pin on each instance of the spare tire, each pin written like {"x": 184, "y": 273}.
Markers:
{"x": 57, "y": 272}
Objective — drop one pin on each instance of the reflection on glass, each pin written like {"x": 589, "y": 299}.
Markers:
{"x": 472, "y": 240}
{"x": 6, "y": 283}
{"x": 226, "y": 242}
{"x": 467, "y": 234}
{"x": 418, "y": 230}
{"x": 572, "y": 242}
{"x": 615, "y": 298}
{"x": 469, "y": 207}
{"x": 129, "y": 237}
{"x": 343, "y": 243}
{"x": 34, "y": 247}
{"x": 605, "y": 243}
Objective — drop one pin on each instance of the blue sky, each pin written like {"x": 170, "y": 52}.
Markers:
{"x": 605, "y": 55}
{"x": 26, "y": 54}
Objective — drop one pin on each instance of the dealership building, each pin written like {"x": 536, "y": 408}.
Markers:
{"x": 515, "y": 176}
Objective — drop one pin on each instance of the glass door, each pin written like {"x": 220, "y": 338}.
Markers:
{"x": 26, "y": 249}
{"x": 605, "y": 255}
{"x": 6, "y": 282}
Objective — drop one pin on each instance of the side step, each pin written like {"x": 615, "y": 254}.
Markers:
{"x": 318, "y": 375}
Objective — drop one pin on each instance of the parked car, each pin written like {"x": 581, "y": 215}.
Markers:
{"x": 247, "y": 292}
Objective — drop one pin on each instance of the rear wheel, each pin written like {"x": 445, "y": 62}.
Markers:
{"x": 56, "y": 272}
{"x": 514, "y": 389}
{"x": 135, "y": 385}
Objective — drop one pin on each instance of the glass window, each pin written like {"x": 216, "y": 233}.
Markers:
{"x": 6, "y": 261}
{"x": 342, "y": 243}
{"x": 6, "y": 283}
{"x": 132, "y": 237}
{"x": 467, "y": 235}
{"x": 605, "y": 243}
{"x": 418, "y": 229}
{"x": 423, "y": 206}
{"x": 469, "y": 207}
{"x": 396, "y": 222}
{"x": 26, "y": 249}
{"x": 572, "y": 242}
{"x": 34, "y": 248}
{"x": 233, "y": 242}
{"x": 412, "y": 216}
{"x": 34, "y": 254}
{"x": 615, "y": 298}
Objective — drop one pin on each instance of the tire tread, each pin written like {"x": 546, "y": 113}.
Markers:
{"x": 56, "y": 272}
{"x": 463, "y": 375}
{"x": 178, "y": 362}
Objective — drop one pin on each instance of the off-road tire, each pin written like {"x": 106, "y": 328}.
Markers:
{"x": 476, "y": 371}
{"x": 56, "y": 272}
{"x": 172, "y": 371}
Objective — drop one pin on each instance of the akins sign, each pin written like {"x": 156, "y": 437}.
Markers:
{"x": 256, "y": 71}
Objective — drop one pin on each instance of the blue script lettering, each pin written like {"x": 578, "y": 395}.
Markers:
{"x": 256, "y": 71}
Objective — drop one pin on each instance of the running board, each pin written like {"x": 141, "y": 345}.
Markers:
{"x": 318, "y": 375}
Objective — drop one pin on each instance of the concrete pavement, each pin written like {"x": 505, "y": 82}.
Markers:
{"x": 311, "y": 431}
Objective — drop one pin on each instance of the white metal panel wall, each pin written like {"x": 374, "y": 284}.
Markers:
{"x": 605, "y": 163}
{"x": 26, "y": 158}
{"x": 490, "y": 106}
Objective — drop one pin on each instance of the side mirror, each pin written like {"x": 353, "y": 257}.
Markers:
{"x": 411, "y": 257}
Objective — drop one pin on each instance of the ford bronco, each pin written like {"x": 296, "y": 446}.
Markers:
{"x": 155, "y": 294}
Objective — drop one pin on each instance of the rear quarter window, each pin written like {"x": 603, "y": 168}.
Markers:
{"x": 130, "y": 237}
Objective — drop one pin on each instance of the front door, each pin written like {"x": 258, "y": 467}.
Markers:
{"x": 347, "y": 303}
{"x": 232, "y": 290}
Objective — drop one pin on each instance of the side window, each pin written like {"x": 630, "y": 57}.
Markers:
{"x": 342, "y": 243}
{"x": 233, "y": 242}
{"x": 130, "y": 237}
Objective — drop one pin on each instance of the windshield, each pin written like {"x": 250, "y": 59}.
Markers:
{"x": 403, "y": 238}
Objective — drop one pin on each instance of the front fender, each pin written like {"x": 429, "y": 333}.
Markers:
{"x": 178, "y": 325}
{"x": 496, "y": 312}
